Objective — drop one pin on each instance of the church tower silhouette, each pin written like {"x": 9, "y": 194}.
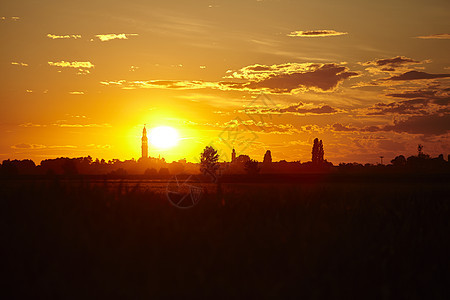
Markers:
{"x": 144, "y": 144}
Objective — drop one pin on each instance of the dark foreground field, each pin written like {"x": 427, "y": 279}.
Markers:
{"x": 342, "y": 237}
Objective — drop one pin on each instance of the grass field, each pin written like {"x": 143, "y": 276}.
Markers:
{"x": 331, "y": 237}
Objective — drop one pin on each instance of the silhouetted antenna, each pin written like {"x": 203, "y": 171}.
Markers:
{"x": 381, "y": 158}
{"x": 420, "y": 149}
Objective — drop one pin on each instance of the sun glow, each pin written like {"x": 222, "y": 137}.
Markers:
{"x": 163, "y": 137}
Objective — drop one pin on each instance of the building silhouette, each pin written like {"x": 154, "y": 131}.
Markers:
{"x": 233, "y": 155}
{"x": 144, "y": 145}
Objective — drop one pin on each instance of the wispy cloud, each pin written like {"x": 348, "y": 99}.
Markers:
{"x": 114, "y": 36}
{"x": 19, "y": 64}
{"x": 76, "y": 93}
{"x": 105, "y": 125}
{"x": 72, "y": 64}
{"x": 32, "y": 125}
{"x": 439, "y": 36}
{"x": 95, "y": 146}
{"x": 64, "y": 123}
{"x": 67, "y": 36}
{"x": 316, "y": 33}
{"x": 24, "y": 146}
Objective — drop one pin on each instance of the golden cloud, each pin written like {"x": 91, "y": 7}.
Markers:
{"x": 114, "y": 36}
{"x": 19, "y": 64}
{"x": 67, "y": 36}
{"x": 9, "y": 18}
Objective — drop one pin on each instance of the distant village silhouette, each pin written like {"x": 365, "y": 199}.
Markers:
{"x": 239, "y": 164}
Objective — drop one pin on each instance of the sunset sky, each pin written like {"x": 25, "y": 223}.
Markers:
{"x": 369, "y": 78}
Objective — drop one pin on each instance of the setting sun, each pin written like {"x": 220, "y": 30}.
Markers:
{"x": 163, "y": 137}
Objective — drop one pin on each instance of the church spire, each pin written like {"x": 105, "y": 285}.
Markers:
{"x": 144, "y": 144}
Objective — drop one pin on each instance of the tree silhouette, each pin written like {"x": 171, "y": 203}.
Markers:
{"x": 251, "y": 167}
{"x": 317, "y": 152}
{"x": 399, "y": 161}
{"x": 321, "y": 152}
{"x": 267, "y": 157}
{"x": 209, "y": 161}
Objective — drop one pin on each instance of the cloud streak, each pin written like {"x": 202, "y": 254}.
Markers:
{"x": 316, "y": 33}
{"x": 21, "y": 64}
{"x": 439, "y": 36}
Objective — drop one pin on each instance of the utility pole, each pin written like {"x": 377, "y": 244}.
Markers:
{"x": 381, "y": 157}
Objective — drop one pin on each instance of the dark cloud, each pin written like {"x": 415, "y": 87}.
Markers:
{"x": 394, "y": 62}
{"x": 394, "y": 65}
{"x": 319, "y": 77}
{"x": 417, "y": 75}
{"x": 283, "y": 78}
{"x": 414, "y": 94}
{"x": 340, "y": 127}
{"x": 406, "y": 107}
{"x": 434, "y": 93}
{"x": 316, "y": 33}
{"x": 296, "y": 109}
{"x": 435, "y": 124}
{"x": 442, "y": 101}
{"x": 428, "y": 125}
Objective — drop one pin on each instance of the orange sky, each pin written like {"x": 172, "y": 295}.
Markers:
{"x": 80, "y": 78}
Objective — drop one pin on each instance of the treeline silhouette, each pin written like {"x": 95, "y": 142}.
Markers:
{"x": 242, "y": 164}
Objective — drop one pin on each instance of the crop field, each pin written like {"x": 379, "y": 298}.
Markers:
{"x": 328, "y": 237}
